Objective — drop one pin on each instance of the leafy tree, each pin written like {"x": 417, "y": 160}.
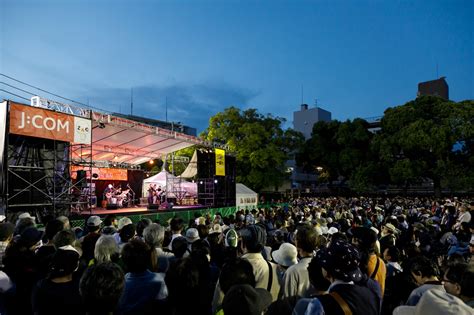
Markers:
{"x": 260, "y": 144}
{"x": 342, "y": 149}
{"x": 429, "y": 138}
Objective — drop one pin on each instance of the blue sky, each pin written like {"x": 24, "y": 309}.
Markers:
{"x": 355, "y": 57}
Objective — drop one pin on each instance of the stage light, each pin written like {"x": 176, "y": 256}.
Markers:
{"x": 151, "y": 162}
{"x": 200, "y": 182}
{"x": 215, "y": 181}
{"x": 115, "y": 157}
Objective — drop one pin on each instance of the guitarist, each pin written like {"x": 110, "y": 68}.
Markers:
{"x": 109, "y": 193}
{"x": 151, "y": 194}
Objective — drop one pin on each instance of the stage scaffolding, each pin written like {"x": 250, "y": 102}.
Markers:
{"x": 39, "y": 179}
{"x": 36, "y": 173}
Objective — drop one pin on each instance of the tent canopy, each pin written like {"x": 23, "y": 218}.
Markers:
{"x": 191, "y": 169}
{"x": 245, "y": 196}
{"x": 173, "y": 185}
{"x": 120, "y": 140}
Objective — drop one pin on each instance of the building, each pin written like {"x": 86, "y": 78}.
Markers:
{"x": 303, "y": 121}
{"x": 305, "y": 118}
{"x": 437, "y": 87}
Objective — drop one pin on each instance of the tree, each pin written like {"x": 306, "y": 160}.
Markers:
{"x": 429, "y": 138}
{"x": 260, "y": 145}
{"x": 342, "y": 150}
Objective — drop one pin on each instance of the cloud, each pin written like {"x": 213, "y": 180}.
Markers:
{"x": 191, "y": 104}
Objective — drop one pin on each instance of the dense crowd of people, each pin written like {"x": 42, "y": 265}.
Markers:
{"x": 314, "y": 256}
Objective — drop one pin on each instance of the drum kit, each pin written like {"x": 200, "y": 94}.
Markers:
{"x": 118, "y": 197}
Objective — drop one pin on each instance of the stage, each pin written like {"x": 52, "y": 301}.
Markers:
{"x": 136, "y": 210}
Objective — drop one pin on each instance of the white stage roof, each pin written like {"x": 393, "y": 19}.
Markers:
{"x": 120, "y": 140}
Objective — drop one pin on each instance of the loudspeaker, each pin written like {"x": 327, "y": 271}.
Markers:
{"x": 112, "y": 207}
{"x": 153, "y": 207}
{"x": 81, "y": 178}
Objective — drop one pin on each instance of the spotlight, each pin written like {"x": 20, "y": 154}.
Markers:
{"x": 215, "y": 181}
{"x": 200, "y": 182}
{"x": 151, "y": 162}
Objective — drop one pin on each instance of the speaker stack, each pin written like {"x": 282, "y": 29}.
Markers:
{"x": 215, "y": 191}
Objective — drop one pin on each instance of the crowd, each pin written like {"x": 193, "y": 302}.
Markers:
{"x": 313, "y": 256}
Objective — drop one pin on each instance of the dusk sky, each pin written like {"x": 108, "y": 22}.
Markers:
{"x": 357, "y": 58}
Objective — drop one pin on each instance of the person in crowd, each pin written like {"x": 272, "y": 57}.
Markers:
{"x": 89, "y": 240}
{"x": 365, "y": 241}
{"x": 154, "y": 235}
{"x": 144, "y": 290}
{"x": 436, "y": 302}
{"x": 295, "y": 280}
{"x": 65, "y": 221}
{"x": 286, "y": 256}
{"x": 106, "y": 250}
{"x": 266, "y": 273}
{"x": 6, "y": 236}
{"x": 192, "y": 235}
{"x": 349, "y": 292}
{"x": 63, "y": 238}
{"x": 186, "y": 277}
{"x": 23, "y": 223}
{"x": 388, "y": 238}
{"x": 392, "y": 297}
{"x": 126, "y": 233}
{"x": 124, "y": 221}
{"x": 141, "y": 225}
{"x": 458, "y": 280}
{"x": 425, "y": 274}
{"x": 101, "y": 287}
{"x": 45, "y": 252}
{"x": 110, "y": 224}
{"x": 176, "y": 227}
{"x": 245, "y": 299}
{"x": 59, "y": 291}
{"x": 22, "y": 268}
{"x": 463, "y": 216}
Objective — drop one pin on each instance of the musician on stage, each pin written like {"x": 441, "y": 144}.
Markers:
{"x": 151, "y": 194}
{"x": 109, "y": 192}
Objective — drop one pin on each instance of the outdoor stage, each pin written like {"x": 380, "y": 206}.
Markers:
{"x": 136, "y": 210}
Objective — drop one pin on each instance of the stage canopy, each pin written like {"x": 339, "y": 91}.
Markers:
{"x": 118, "y": 140}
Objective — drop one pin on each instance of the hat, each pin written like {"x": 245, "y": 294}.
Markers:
{"x": 285, "y": 255}
{"x": 231, "y": 238}
{"x": 192, "y": 235}
{"x": 122, "y": 222}
{"x": 216, "y": 228}
{"x": 436, "y": 302}
{"x": 329, "y": 220}
{"x": 31, "y": 236}
{"x": 375, "y": 230}
{"x": 390, "y": 227}
{"x": 244, "y": 299}
{"x": 64, "y": 261}
{"x": 25, "y": 215}
{"x": 332, "y": 230}
{"x": 341, "y": 259}
{"x": 94, "y": 221}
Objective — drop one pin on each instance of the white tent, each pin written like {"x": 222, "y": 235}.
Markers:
{"x": 172, "y": 184}
{"x": 191, "y": 169}
{"x": 245, "y": 197}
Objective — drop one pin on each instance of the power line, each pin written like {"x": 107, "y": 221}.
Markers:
{"x": 17, "y": 88}
{"x": 51, "y": 93}
{"x": 14, "y": 94}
